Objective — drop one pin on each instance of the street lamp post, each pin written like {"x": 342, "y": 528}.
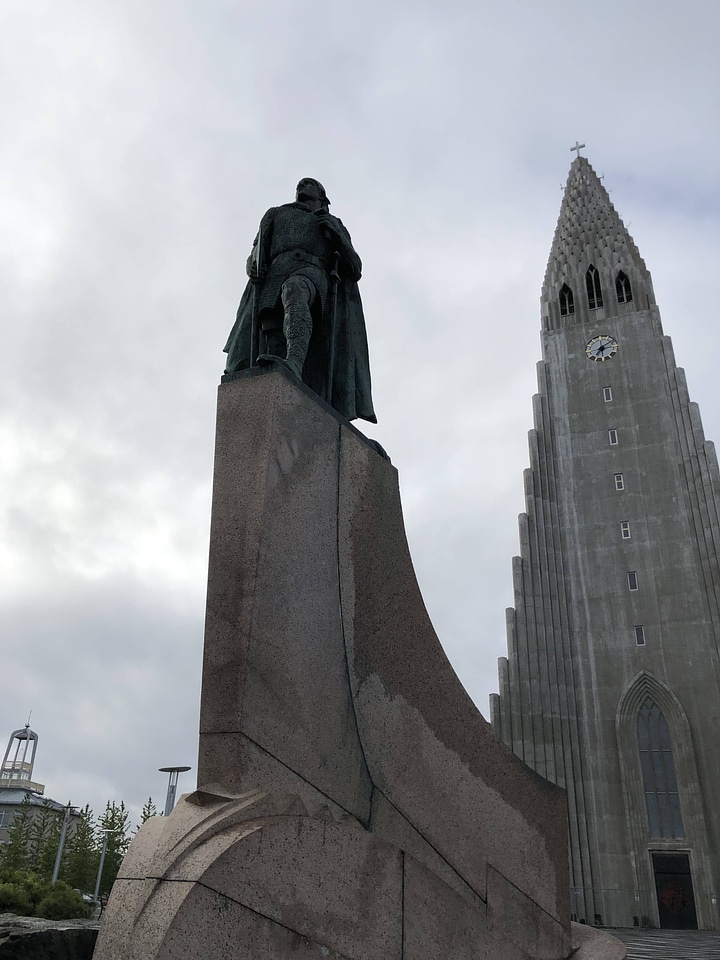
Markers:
{"x": 69, "y": 809}
{"x": 106, "y": 833}
{"x": 172, "y": 786}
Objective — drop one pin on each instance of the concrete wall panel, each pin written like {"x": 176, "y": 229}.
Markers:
{"x": 274, "y": 670}
{"x": 440, "y": 924}
{"x": 426, "y": 745}
{"x": 388, "y": 822}
{"x": 326, "y": 881}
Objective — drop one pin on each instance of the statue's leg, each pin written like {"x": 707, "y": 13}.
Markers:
{"x": 297, "y": 295}
{"x": 274, "y": 341}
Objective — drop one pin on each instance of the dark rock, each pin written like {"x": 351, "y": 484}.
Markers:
{"x": 32, "y": 938}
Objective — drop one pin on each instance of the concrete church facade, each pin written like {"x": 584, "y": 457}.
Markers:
{"x": 611, "y": 687}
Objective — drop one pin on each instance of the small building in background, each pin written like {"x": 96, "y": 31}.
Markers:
{"x": 16, "y": 780}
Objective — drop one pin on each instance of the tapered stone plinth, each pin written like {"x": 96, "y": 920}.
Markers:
{"x": 352, "y": 802}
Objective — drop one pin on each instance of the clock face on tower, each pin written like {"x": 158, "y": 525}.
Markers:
{"x": 601, "y": 348}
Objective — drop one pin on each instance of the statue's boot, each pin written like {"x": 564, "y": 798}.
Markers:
{"x": 297, "y": 328}
{"x": 274, "y": 342}
{"x": 297, "y": 293}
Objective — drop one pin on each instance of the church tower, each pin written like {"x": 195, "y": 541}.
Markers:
{"x": 611, "y": 687}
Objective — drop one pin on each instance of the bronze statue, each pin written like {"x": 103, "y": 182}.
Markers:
{"x": 301, "y": 308}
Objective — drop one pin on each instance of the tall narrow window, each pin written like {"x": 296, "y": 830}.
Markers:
{"x": 612, "y": 437}
{"x": 619, "y": 482}
{"x": 632, "y": 580}
{"x": 567, "y": 301}
{"x": 625, "y": 530}
{"x": 658, "y": 773}
{"x": 607, "y": 394}
{"x": 622, "y": 288}
{"x": 639, "y": 635}
{"x": 592, "y": 282}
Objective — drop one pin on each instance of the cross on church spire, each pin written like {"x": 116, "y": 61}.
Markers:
{"x": 578, "y": 147}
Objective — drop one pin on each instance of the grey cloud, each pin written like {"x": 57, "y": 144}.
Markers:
{"x": 142, "y": 142}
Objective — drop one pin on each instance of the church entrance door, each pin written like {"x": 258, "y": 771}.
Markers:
{"x": 673, "y": 883}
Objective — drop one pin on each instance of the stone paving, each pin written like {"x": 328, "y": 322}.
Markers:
{"x": 670, "y": 944}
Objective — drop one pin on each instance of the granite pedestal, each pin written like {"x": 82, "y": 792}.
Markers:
{"x": 352, "y": 802}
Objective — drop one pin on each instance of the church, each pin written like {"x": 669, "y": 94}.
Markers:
{"x": 611, "y": 686}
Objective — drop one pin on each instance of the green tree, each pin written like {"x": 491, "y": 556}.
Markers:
{"x": 148, "y": 811}
{"x": 44, "y": 839}
{"x": 116, "y": 821}
{"x": 15, "y": 851}
{"x": 80, "y": 863}
{"x": 45, "y": 831}
{"x": 29, "y": 856}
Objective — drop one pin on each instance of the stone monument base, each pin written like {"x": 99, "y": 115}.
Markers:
{"x": 263, "y": 876}
{"x": 352, "y": 802}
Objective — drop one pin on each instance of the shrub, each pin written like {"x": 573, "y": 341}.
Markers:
{"x": 13, "y": 899}
{"x": 31, "y": 886}
{"x": 25, "y": 894}
{"x": 61, "y": 902}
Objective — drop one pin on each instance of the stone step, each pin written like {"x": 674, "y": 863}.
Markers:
{"x": 670, "y": 944}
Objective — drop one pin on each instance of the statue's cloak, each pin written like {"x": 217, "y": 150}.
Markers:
{"x": 351, "y": 387}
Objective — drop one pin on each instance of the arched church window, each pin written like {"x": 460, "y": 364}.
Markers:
{"x": 622, "y": 288}
{"x": 592, "y": 282}
{"x": 658, "y": 773}
{"x": 567, "y": 301}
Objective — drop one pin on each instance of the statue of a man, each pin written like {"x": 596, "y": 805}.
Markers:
{"x": 304, "y": 305}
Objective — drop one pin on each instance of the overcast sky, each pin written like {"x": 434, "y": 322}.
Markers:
{"x": 141, "y": 142}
